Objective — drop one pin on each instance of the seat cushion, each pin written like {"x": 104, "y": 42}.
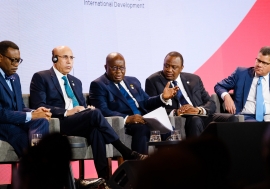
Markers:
{"x": 7, "y": 153}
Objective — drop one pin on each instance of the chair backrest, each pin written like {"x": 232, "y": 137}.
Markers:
{"x": 26, "y": 98}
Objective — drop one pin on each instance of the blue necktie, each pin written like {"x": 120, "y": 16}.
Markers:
{"x": 180, "y": 95}
{"x": 69, "y": 92}
{"x": 131, "y": 102}
{"x": 259, "y": 101}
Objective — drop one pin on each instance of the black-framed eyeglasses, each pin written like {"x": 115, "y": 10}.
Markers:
{"x": 115, "y": 68}
{"x": 66, "y": 57}
{"x": 14, "y": 60}
{"x": 260, "y": 61}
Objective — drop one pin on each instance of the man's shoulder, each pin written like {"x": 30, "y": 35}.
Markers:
{"x": 190, "y": 75}
{"x": 154, "y": 76}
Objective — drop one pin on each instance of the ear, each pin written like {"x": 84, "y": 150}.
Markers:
{"x": 182, "y": 68}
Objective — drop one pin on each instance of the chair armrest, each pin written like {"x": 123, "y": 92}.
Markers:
{"x": 240, "y": 118}
{"x": 178, "y": 123}
{"x": 54, "y": 125}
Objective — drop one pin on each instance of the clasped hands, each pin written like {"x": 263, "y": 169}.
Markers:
{"x": 41, "y": 112}
{"x": 187, "y": 109}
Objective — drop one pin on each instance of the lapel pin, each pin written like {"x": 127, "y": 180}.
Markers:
{"x": 131, "y": 86}
{"x": 73, "y": 83}
{"x": 187, "y": 82}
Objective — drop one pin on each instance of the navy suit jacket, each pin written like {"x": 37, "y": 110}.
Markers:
{"x": 108, "y": 98}
{"x": 45, "y": 91}
{"x": 193, "y": 85}
{"x": 11, "y": 111}
{"x": 240, "y": 81}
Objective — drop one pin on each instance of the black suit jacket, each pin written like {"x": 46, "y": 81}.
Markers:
{"x": 193, "y": 85}
{"x": 45, "y": 91}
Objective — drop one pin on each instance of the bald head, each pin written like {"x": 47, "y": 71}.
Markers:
{"x": 115, "y": 67}
{"x": 64, "y": 57}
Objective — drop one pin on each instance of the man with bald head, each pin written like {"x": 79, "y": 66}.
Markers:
{"x": 118, "y": 95}
{"x": 62, "y": 93}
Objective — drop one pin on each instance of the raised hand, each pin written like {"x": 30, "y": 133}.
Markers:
{"x": 168, "y": 92}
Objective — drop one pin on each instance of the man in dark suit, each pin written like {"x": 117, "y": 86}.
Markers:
{"x": 17, "y": 122}
{"x": 192, "y": 98}
{"x": 245, "y": 83}
{"x": 62, "y": 93}
{"x": 118, "y": 95}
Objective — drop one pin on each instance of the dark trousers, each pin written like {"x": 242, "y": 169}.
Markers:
{"x": 140, "y": 136}
{"x": 19, "y": 136}
{"x": 195, "y": 125}
{"x": 92, "y": 125}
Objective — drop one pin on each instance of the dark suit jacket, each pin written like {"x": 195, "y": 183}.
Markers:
{"x": 11, "y": 111}
{"x": 108, "y": 98}
{"x": 193, "y": 85}
{"x": 45, "y": 91}
{"x": 240, "y": 81}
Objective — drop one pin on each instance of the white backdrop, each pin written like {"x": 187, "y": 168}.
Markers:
{"x": 93, "y": 29}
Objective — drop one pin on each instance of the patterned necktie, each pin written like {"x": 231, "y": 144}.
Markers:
{"x": 180, "y": 95}
{"x": 131, "y": 102}
{"x": 69, "y": 92}
{"x": 259, "y": 101}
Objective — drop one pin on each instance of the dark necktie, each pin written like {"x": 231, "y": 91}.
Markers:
{"x": 259, "y": 101}
{"x": 131, "y": 102}
{"x": 69, "y": 92}
{"x": 180, "y": 95}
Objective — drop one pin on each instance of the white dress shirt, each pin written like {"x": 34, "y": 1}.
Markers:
{"x": 68, "y": 101}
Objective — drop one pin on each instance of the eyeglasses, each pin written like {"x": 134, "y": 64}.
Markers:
{"x": 14, "y": 60}
{"x": 66, "y": 57}
{"x": 115, "y": 68}
{"x": 264, "y": 63}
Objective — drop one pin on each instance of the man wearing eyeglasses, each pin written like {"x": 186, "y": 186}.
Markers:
{"x": 62, "y": 93}
{"x": 118, "y": 95}
{"x": 251, "y": 89}
{"x": 17, "y": 122}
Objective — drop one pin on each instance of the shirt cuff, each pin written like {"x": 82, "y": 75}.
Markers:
{"x": 167, "y": 102}
{"x": 223, "y": 94}
{"x": 171, "y": 113}
{"x": 125, "y": 119}
{"x": 204, "y": 111}
{"x": 28, "y": 116}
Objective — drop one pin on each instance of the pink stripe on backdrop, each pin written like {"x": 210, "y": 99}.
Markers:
{"x": 90, "y": 171}
{"x": 241, "y": 48}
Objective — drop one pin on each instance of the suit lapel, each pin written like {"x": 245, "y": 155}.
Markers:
{"x": 56, "y": 82}
{"x": 187, "y": 88}
{"x": 6, "y": 87}
{"x": 114, "y": 90}
{"x": 248, "y": 81}
{"x": 74, "y": 87}
{"x": 17, "y": 92}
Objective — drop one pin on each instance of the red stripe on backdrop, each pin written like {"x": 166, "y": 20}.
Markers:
{"x": 241, "y": 48}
